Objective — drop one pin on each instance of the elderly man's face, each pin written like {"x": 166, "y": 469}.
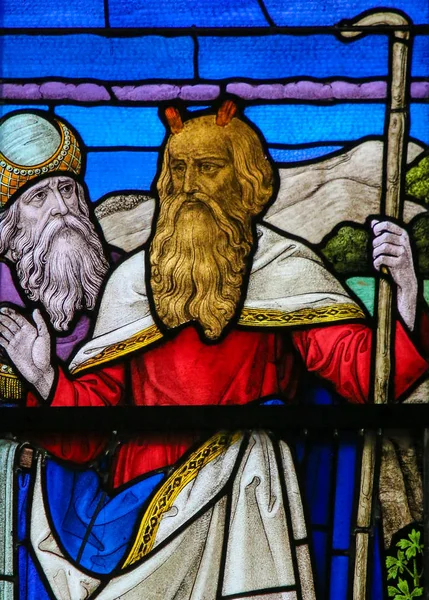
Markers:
{"x": 48, "y": 199}
{"x": 200, "y": 162}
{"x": 58, "y": 256}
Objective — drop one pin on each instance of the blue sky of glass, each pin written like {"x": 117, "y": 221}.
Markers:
{"x": 162, "y": 58}
{"x": 115, "y": 127}
{"x": 210, "y": 13}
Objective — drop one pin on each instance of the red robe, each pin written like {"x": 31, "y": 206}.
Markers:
{"x": 244, "y": 366}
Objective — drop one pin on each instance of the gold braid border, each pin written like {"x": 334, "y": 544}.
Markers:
{"x": 256, "y": 317}
{"x": 169, "y": 491}
{"x": 251, "y": 317}
{"x": 137, "y": 341}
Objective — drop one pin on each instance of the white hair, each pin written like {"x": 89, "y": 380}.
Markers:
{"x": 63, "y": 268}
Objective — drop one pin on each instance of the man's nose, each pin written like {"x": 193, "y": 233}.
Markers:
{"x": 59, "y": 207}
{"x": 190, "y": 180}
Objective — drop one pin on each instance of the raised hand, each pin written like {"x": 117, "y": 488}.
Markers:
{"x": 28, "y": 346}
{"x": 392, "y": 249}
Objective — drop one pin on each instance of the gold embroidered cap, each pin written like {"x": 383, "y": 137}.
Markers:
{"x": 32, "y": 146}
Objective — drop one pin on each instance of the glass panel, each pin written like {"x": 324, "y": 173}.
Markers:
{"x": 212, "y": 205}
{"x": 231, "y": 494}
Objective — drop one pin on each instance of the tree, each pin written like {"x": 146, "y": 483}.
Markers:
{"x": 417, "y": 180}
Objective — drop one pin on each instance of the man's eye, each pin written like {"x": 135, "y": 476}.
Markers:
{"x": 179, "y": 168}
{"x": 67, "y": 190}
{"x": 39, "y": 196}
{"x": 208, "y": 167}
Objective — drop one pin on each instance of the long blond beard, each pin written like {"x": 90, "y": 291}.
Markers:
{"x": 198, "y": 261}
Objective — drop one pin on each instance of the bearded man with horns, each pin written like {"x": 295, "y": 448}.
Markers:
{"x": 217, "y": 309}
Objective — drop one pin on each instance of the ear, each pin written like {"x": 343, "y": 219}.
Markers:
{"x": 225, "y": 113}
{"x": 174, "y": 119}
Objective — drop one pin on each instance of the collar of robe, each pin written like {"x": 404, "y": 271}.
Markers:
{"x": 288, "y": 286}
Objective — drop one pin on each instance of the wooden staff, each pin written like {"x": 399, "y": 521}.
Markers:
{"x": 392, "y": 202}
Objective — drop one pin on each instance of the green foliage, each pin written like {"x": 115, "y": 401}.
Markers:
{"x": 395, "y": 564}
{"x": 417, "y": 181}
{"x": 420, "y": 236}
{"x": 406, "y": 563}
{"x": 347, "y": 250}
{"x": 412, "y": 545}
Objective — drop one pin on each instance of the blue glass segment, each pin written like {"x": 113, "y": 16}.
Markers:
{"x": 7, "y": 108}
{"x": 115, "y": 126}
{"x": 31, "y": 586}
{"x": 377, "y": 582}
{"x": 305, "y": 123}
{"x": 419, "y": 129}
{"x": 93, "y": 56}
{"x": 420, "y": 57}
{"x": 339, "y": 578}
{"x": 319, "y": 469}
{"x": 302, "y": 13}
{"x": 317, "y": 394}
{"x": 344, "y": 494}
{"x": 51, "y": 13}
{"x": 114, "y": 171}
{"x": 280, "y": 56}
{"x": 273, "y": 402}
{"x": 170, "y": 13}
{"x": 301, "y": 154}
{"x": 321, "y": 553}
{"x": 195, "y": 108}
{"x": 81, "y": 510}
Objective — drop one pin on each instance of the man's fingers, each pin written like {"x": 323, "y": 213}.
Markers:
{"x": 387, "y": 238}
{"x": 6, "y": 334}
{"x": 14, "y": 315}
{"x": 388, "y": 250}
{"x": 9, "y": 324}
{"x": 42, "y": 330}
{"x": 381, "y": 226}
{"x": 385, "y": 261}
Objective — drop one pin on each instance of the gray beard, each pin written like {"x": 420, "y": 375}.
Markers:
{"x": 63, "y": 269}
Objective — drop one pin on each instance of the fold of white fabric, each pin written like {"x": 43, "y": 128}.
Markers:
{"x": 288, "y": 286}
{"x": 8, "y": 450}
{"x": 236, "y": 527}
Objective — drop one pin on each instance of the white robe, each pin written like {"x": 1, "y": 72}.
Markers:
{"x": 236, "y": 526}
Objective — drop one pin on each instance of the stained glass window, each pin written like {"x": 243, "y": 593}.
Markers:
{"x": 213, "y": 273}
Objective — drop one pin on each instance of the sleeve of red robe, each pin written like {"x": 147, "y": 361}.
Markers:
{"x": 341, "y": 354}
{"x": 103, "y": 388}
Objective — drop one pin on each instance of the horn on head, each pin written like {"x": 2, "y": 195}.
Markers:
{"x": 174, "y": 119}
{"x": 225, "y": 113}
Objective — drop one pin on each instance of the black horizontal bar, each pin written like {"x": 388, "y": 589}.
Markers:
{"x": 139, "y": 418}
{"x": 215, "y": 31}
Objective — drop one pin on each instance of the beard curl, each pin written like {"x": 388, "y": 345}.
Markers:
{"x": 198, "y": 261}
{"x": 63, "y": 267}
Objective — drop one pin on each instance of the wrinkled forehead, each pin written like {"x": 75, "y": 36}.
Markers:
{"x": 200, "y": 138}
{"x": 45, "y": 184}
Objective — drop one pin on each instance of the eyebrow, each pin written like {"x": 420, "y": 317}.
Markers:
{"x": 34, "y": 190}
{"x": 200, "y": 157}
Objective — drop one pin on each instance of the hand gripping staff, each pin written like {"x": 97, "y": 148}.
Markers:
{"x": 397, "y": 25}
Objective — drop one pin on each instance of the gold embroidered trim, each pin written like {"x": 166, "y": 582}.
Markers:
{"x": 169, "y": 491}
{"x": 139, "y": 340}
{"x": 256, "y": 317}
{"x": 253, "y": 317}
{"x": 11, "y": 387}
